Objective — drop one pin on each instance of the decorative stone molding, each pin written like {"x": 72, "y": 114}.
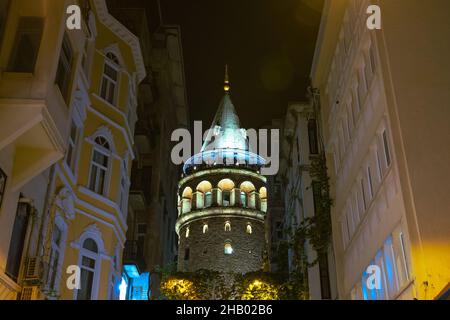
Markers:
{"x": 114, "y": 49}
{"x": 105, "y": 132}
{"x": 92, "y": 231}
{"x": 122, "y": 32}
{"x": 65, "y": 201}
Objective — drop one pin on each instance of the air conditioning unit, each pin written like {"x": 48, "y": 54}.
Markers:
{"x": 31, "y": 269}
{"x": 29, "y": 293}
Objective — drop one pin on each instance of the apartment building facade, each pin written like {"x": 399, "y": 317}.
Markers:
{"x": 301, "y": 143}
{"x": 162, "y": 108}
{"x": 383, "y": 107}
{"x": 69, "y": 215}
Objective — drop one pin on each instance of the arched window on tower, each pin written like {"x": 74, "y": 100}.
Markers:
{"x": 205, "y": 228}
{"x": 187, "y": 232}
{"x": 249, "y": 228}
{"x": 227, "y": 226}
{"x": 226, "y": 185}
{"x": 208, "y": 199}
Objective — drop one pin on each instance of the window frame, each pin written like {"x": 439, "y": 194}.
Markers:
{"x": 65, "y": 61}
{"x": 109, "y": 63}
{"x": 108, "y": 154}
{"x": 83, "y": 252}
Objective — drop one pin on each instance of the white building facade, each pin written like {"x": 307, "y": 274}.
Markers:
{"x": 376, "y": 216}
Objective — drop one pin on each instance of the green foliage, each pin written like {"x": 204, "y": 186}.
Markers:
{"x": 200, "y": 285}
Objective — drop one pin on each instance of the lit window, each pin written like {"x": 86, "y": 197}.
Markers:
{"x": 205, "y": 228}
{"x": 109, "y": 78}
{"x": 226, "y": 198}
{"x": 227, "y": 226}
{"x": 249, "y": 228}
{"x": 228, "y": 249}
{"x": 187, "y": 232}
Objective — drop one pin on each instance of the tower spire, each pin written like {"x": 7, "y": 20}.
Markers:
{"x": 226, "y": 84}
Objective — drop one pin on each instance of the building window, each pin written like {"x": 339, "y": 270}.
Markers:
{"x": 324, "y": 276}
{"x": 227, "y": 226}
{"x": 317, "y": 195}
{"x": 387, "y": 153}
{"x": 205, "y": 228}
{"x": 312, "y": 136}
{"x": 187, "y": 232}
{"x": 369, "y": 178}
{"x": 63, "y": 73}
{"x": 226, "y": 195}
{"x": 123, "y": 200}
{"x": 17, "y": 243}
{"x": 389, "y": 263}
{"x": 99, "y": 166}
{"x": 3, "y": 178}
{"x": 85, "y": 61}
{"x": 249, "y": 228}
{"x": 403, "y": 262}
{"x": 26, "y": 45}
{"x": 4, "y": 8}
{"x": 109, "y": 79}
{"x": 186, "y": 254}
{"x": 56, "y": 253}
{"x": 208, "y": 199}
{"x": 243, "y": 199}
{"x": 363, "y": 194}
{"x": 72, "y": 150}
{"x": 89, "y": 256}
{"x": 380, "y": 171}
{"x": 228, "y": 249}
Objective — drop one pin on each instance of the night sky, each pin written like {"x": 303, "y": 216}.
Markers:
{"x": 268, "y": 45}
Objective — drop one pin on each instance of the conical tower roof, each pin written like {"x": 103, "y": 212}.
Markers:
{"x": 225, "y": 131}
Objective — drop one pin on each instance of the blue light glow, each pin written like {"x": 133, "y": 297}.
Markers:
{"x": 131, "y": 270}
{"x": 123, "y": 289}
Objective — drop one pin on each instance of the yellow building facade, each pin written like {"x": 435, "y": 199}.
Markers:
{"x": 64, "y": 205}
